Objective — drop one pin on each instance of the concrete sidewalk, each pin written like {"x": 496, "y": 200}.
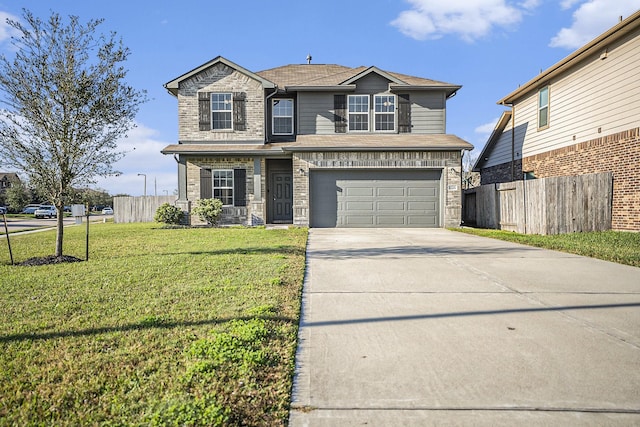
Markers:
{"x": 433, "y": 327}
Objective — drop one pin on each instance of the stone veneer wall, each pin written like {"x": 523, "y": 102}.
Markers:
{"x": 618, "y": 153}
{"x": 501, "y": 173}
{"x": 220, "y": 78}
{"x": 252, "y": 214}
{"x": 447, "y": 161}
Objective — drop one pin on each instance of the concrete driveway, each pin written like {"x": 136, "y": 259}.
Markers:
{"x": 433, "y": 327}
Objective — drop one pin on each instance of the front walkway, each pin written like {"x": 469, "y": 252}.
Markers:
{"x": 432, "y": 327}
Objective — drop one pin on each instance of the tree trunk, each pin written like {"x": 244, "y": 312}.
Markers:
{"x": 60, "y": 230}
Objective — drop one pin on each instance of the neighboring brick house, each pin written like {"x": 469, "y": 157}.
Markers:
{"x": 317, "y": 145}
{"x": 578, "y": 117}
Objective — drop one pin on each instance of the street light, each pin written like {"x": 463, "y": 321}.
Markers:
{"x": 145, "y": 182}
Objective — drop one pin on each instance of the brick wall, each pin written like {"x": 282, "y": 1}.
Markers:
{"x": 618, "y": 153}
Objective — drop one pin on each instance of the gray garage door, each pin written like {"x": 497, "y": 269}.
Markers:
{"x": 375, "y": 198}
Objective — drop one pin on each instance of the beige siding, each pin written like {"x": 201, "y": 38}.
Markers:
{"x": 220, "y": 78}
{"x": 600, "y": 97}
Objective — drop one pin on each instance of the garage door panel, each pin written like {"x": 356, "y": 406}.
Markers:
{"x": 359, "y": 220}
{"x": 358, "y": 191}
{"x": 391, "y": 192}
{"x": 423, "y": 221}
{"x": 422, "y": 192}
{"x": 391, "y": 206}
{"x": 359, "y": 206}
{"x": 390, "y": 221}
{"x": 374, "y": 198}
{"x": 422, "y": 206}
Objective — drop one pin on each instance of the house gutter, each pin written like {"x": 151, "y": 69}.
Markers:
{"x": 513, "y": 137}
{"x": 266, "y": 111}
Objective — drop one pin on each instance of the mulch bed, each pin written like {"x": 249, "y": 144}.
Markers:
{"x": 51, "y": 259}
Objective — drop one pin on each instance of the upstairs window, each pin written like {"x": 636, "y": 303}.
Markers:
{"x": 358, "y": 113}
{"x": 543, "y": 108}
{"x": 221, "y": 111}
{"x": 384, "y": 112}
{"x": 282, "y": 113}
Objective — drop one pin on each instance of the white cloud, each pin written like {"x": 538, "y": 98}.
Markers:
{"x": 142, "y": 157}
{"x": 592, "y": 18}
{"x": 487, "y": 128}
{"x": 469, "y": 19}
{"x": 568, "y": 4}
{"x": 6, "y": 31}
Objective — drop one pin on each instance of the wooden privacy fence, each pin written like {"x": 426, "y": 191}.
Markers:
{"x": 565, "y": 204}
{"x": 138, "y": 209}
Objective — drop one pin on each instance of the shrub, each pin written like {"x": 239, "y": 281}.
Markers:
{"x": 168, "y": 214}
{"x": 208, "y": 210}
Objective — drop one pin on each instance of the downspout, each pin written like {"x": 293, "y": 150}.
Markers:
{"x": 266, "y": 115}
{"x": 513, "y": 142}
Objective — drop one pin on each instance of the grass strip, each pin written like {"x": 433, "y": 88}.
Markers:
{"x": 615, "y": 246}
{"x": 160, "y": 327}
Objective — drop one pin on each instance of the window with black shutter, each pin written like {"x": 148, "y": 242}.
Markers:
{"x": 404, "y": 114}
{"x": 340, "y": 113}
{"x": 205, "y": 184}
{"x": 240, "y": 187}
{"x": 239, "y": 110}
{"x": 204, "y": 110}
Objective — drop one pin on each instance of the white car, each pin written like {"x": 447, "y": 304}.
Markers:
{"x": 46, "y": 211}
{"x": 107, "y": 211}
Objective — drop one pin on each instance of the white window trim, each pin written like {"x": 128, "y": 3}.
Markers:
{"x": 541, "y": 107}
{"x": 213, "y": 186}
{"x": 367, "y": 113}
{"x": 221, "y": 111}
{"x": 394, "y": 112}
{"x": 273, "y": 116}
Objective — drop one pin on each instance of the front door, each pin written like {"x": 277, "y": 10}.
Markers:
{"x": 281, "y": 193}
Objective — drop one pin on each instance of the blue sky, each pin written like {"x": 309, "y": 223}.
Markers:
{"x": 487, "y": 46}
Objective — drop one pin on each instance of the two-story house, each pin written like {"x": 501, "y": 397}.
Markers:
{"x": 317, "y": 145}
{"x": 580, "y": 116}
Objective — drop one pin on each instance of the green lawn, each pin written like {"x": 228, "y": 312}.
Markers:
{"x": 616, "y": 246}
{"x": 160, "y": 327}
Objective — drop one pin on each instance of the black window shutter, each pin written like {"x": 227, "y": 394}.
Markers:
{"x": 340, "y": 114}
{"x": 240, "y": 187}
{"x": 404, "y": 114}
{"x": 206, "y": 191}
{"x": 239, "y": 111}
{"x": 204, "y": 110}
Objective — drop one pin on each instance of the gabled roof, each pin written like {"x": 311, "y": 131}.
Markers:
{"x": 498, "y": 130}
{"x": 299, "y": 77}
{"x": 174, "y": 84}
{"x": 597, "y": 45}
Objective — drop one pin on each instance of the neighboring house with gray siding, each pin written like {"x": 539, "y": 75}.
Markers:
{"x": 317, "y": 145}
{"x": 580, "y": 116}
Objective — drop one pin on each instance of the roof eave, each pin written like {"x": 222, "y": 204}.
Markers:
{"x": 372, "y": 69}
{"x": 336, "y": 88}
{"x": 375, "y": 148}
{"x": 613, "y": 34}
{"x": 173, "y": 85}
{"x": 449, "y": 89}
{"x": 495, "y": 135}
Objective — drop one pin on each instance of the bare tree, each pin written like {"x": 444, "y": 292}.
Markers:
{"x": 66, "y": 105}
